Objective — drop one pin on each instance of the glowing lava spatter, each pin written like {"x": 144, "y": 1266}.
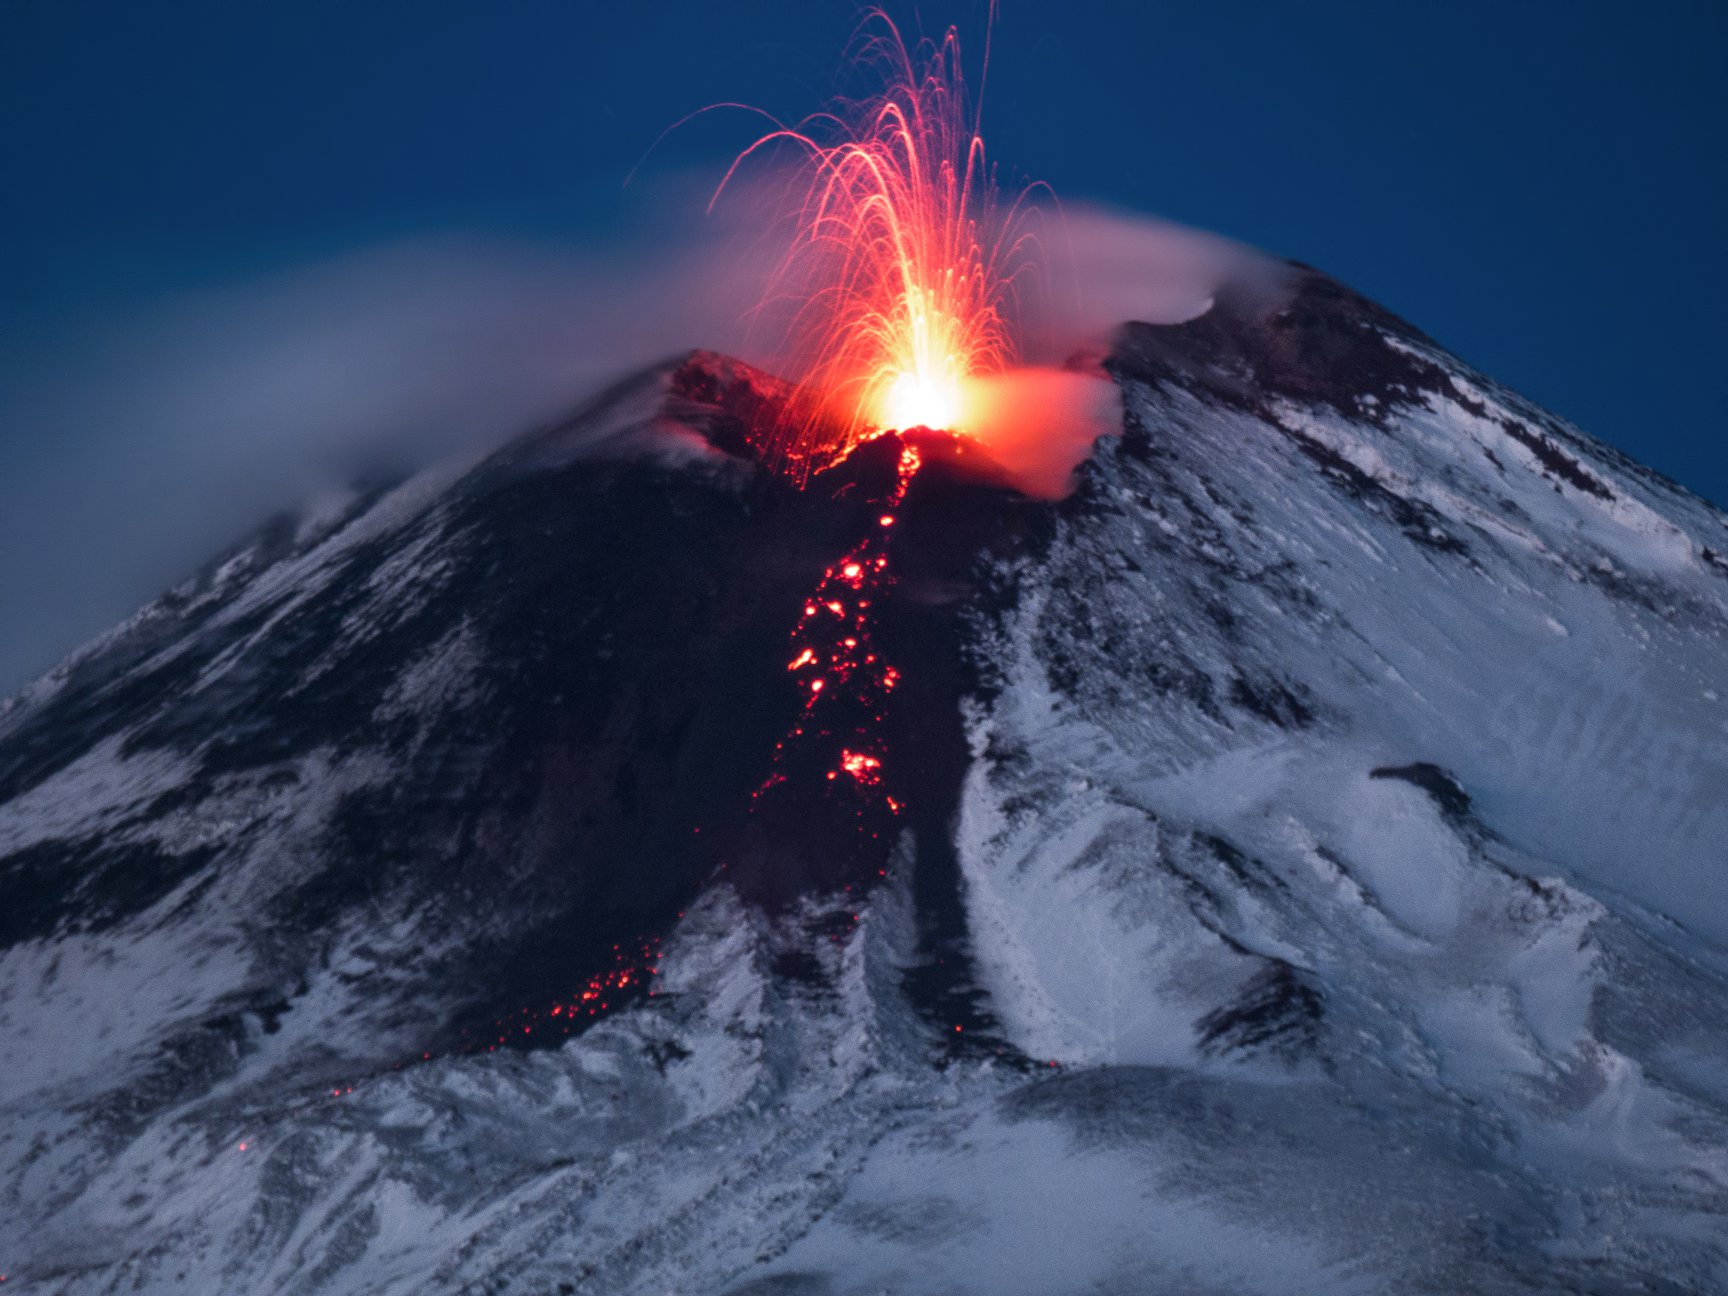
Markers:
{"x": 631, "y": 974}
{"x": 898, "y": 286}
{"x": 844, "y": 680}
{"x": 901, "y": 273}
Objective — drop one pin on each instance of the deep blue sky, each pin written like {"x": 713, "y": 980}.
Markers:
{"x": 1538, "y": 185}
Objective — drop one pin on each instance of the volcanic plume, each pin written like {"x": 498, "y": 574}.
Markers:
{"x": 898, "y": 288}
{"x": 902, "y": 270}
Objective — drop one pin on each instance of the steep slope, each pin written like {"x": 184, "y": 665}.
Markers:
{"x": 1296, "y": 866}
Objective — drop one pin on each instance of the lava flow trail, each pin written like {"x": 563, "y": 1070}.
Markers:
{"x": 898, "y": 287}
{"x": 845, "y": 680}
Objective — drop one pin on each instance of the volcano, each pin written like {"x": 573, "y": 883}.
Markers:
{"x": 1292, "y": 862}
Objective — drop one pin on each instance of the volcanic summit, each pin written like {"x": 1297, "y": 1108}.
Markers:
{"x": 1292, "y": 861}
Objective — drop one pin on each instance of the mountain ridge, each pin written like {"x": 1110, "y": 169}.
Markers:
{"x": 1305, "y": 876}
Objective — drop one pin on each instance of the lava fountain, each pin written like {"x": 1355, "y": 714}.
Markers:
{"x": 898, "y": 287}
{"x": 901, "y": 278}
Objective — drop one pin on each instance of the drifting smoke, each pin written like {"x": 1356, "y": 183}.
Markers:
{"x": 143, "y": 445}
{"x": 145, "y": 438}
{"x": 1104, "y": 269}
{"x": 1110, "y": 267}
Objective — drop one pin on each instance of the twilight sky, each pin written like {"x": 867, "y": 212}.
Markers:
{"x": 219, "y": 220}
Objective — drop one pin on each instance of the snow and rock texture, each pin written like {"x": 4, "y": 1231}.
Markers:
{"x": 1315, "y": 833}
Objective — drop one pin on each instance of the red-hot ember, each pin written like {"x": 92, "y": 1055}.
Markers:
{"x": 901, "y": 274}
{"x": 863, "y": 767}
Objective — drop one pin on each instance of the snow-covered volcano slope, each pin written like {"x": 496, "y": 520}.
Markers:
{"x": 1315, "y": 837}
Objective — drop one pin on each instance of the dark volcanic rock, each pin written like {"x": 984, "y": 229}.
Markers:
{"x": 464, "y": 891}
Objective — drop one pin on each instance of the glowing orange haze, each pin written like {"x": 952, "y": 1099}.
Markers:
{"x": 903, "y": 269}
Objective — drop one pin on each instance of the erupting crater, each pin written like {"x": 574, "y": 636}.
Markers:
{"x": 897, "y": 289}
{"x": 902, "y": 268}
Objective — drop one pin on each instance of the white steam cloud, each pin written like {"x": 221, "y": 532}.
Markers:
{"x": 139, "y": 446}
{"x": 1107, "y": 267}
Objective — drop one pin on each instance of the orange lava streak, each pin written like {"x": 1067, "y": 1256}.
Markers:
{"x": 901, "y": 272}
{"x": 846, "y": 703}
